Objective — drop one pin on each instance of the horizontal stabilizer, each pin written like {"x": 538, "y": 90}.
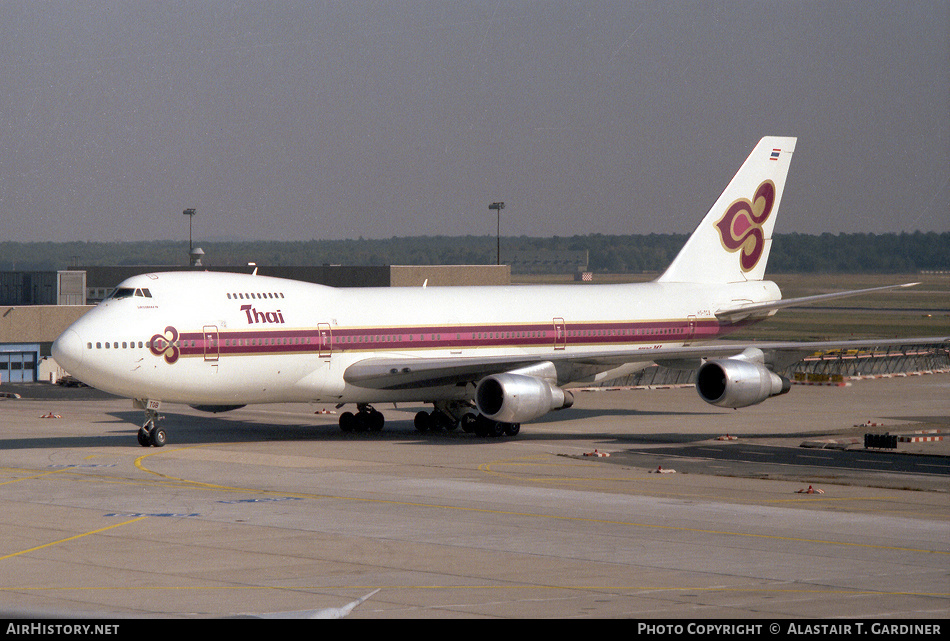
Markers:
{"x": 757, "y": 309}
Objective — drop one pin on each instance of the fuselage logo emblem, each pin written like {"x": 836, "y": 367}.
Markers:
{"x": 740, "y": 228}
{"x": 166, "y": 345}
{"x": 254, "y": 316}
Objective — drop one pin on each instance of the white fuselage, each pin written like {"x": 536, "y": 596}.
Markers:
{"x": 221, "y": 338}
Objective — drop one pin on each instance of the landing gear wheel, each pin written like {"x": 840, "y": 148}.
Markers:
{"x": 445, "y": 422}
{"x": 422, "y": 422}
{"x": 375, "y": 421}
{"x": 366, "y": 419}
{"x": 494, "y": 429}
{"x": 486, "y": 427}
{"x": 468, "y": 421}
{"x": 157, "y": 437}
{"x": 143, "y": 437}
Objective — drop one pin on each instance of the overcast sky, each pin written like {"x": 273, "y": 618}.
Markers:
{"x": 291, "y": 120}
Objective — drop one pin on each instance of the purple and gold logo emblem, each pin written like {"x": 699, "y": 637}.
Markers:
{"x": 740, "y": 228}
{"x": 166, "y": 345}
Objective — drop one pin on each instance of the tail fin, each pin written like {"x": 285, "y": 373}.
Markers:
{"x": 732, "y": 242}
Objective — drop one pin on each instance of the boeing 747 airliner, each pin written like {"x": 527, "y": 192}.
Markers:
{"x": 487, "y": 358}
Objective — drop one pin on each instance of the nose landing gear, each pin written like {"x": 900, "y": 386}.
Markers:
{"x": 151, "y": 434}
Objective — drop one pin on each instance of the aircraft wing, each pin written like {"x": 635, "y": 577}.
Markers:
{"x": 393, "y": 373}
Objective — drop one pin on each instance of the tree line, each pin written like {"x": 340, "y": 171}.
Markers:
{"x": 791, "y": 253}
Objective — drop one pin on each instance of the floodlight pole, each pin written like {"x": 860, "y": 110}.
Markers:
{"x": 497, "y": 207}
{"x": 191, "y": 216}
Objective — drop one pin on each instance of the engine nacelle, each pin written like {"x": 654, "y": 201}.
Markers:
{"x": 738, "y": 383}
{"x": 517, "y": 398}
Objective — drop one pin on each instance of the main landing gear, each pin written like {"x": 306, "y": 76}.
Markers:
{"x": 366, "y": 419}
{"x": 150, "y": 434}
{"x": 453, "y": 415}
{"x": 446, "y": 416}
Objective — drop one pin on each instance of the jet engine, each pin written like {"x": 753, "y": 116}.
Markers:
{"x": 731, "y": 382}
{"x": 518, "y": 398}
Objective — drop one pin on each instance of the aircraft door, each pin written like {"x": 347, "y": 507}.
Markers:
{"x": 560, "y": 334}
{"x": 324, "y": 340}
{"x": 211, "y": 341}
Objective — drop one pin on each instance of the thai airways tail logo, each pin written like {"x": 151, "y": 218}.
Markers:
{"x": 166, "y": 345}
{"x": 740, "y": 228}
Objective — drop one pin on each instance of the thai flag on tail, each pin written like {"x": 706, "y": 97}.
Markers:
{"x": 775, "y": 154}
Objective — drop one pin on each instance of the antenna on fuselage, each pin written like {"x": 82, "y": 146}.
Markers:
{"x": 254, "y": 265}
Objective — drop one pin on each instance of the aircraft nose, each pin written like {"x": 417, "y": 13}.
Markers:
{"x": 67, "y": 351}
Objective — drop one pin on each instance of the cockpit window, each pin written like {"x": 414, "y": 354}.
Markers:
{"x": 120, "y": 292}
{"x": 126, "y": 292}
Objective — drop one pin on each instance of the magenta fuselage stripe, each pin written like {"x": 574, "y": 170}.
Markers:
{"x": 353, "y": 339}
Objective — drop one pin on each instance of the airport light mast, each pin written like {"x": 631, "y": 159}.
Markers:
{"x": 191, "y": 216}
{"x": 497, "y": 207}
